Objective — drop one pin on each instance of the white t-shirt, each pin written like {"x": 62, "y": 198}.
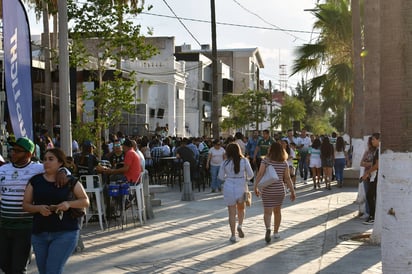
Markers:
{"x": 216, "y": 156}
{"x": 305, "y": 141}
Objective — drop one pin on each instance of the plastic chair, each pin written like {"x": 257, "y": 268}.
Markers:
{"x": 93, "y": 185}
{"x": 137, "y": 190}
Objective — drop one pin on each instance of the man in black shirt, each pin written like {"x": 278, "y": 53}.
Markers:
{"x": 187, "y": 155}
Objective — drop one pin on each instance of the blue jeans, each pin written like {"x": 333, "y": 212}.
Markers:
{"x": 15, "y": 249}
{"x": 53, "y": 249}
{"x": 303, "y": 166}
{"x": 339, "y": 167}
{"x": 215, "y": 183}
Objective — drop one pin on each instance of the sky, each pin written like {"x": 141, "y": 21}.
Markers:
{"x": 275, "y": 27}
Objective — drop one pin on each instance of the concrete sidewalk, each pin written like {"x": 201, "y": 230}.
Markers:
{"x": 193, "y": 237}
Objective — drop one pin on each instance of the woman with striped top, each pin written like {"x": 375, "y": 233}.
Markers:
{"x": 273, "y": 195}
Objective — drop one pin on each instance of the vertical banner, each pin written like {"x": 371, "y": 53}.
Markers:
{"x": 17, "y": 65}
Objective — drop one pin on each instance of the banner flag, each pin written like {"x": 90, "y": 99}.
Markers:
{"x": 17, "y": 66}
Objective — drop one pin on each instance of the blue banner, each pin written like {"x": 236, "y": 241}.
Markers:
{"x": 17, "y": 65}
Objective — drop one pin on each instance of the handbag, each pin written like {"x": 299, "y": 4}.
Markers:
{"x": 74, "y": 212}
{"x": 268, "y": 178}
{"x": 361, "y": 197}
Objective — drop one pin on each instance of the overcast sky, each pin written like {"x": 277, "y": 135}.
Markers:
{"x": 275, "y": 27}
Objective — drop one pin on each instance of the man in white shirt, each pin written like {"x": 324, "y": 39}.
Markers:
{"x": 290, "y": 138}
{"x": 303, "y": 143}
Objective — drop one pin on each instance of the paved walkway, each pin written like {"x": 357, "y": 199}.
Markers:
{"x": 193, "y": 237}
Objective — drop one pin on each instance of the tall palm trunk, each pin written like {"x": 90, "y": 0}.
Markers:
{"x": 372, "y": 86}
{"x": 395, "y": 182}
{"x": 356, "y": 120}
{"x": 372, "y": 68}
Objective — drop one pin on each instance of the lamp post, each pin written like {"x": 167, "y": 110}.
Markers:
{"x": 64, "y": 85}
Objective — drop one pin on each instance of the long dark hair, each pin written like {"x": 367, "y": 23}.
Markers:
{"x": 316, "y": 143}
{"x": 287, "y": 147}
{"x": 340, "y": 144}
{"x": 233, "y": 153}
{"x": 326, "y": 149}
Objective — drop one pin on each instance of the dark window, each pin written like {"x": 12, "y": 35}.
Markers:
{"x": 160, "y": 113}
{"x": 207, "y": 92}
{"x": 227, "y": 86}
{"x": 152, "y": 112}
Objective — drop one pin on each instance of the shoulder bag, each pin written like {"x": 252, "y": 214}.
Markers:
{"x": 74, "y": 212}
{"x": 268, "y": 178}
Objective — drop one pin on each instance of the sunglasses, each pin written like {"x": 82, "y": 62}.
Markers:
{"x": 14, "y": 150}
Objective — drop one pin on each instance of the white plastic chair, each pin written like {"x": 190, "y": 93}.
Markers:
{"x": 137, "y": 189}
{"x": 93, "y": 184}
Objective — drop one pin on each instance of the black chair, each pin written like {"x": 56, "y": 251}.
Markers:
{"x": 204, "y": 174}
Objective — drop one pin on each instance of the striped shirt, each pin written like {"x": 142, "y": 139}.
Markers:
{"x": 273, "y": 195}
{"x": 13, "y": 181}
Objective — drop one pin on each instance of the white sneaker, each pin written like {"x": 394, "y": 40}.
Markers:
{"x": 233, "y": 239}
{"x": 276, "y": 236}
{"x": 369, "y": 222}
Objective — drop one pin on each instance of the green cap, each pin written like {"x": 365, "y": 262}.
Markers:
{"x": 24, "y": 143}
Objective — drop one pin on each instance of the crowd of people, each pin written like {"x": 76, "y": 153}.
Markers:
{"x": 233, "y": 163}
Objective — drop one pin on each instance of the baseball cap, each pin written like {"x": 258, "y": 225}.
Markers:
{"x": 24, "y": 143}
{"x": 88, "y": 143}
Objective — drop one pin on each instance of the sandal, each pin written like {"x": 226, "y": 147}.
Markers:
{"x": 267, "y": 236}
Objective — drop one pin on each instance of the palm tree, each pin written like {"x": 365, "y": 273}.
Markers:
{"x": 396, "y": 142}
{"x": 356, "y": 115}
{"x": 330, "y": 57}
{"x": 371, "y": 56}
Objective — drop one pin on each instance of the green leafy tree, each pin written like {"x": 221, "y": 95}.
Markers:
{"x": 293, "y": 109}
{"x": 307, "y": 95}
{"x": 245, "y": 109}
{"x": 102, "y": 36}
{"x": 330, "y": 57}
{"x": 319, "y": 121}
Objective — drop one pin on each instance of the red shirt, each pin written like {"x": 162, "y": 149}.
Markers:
{"x": 132, "y": 160}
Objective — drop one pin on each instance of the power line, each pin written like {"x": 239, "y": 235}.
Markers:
{"x": 230, "y": 24}
{"x": 178, "y": 18}
{"x": 267, "y": 22}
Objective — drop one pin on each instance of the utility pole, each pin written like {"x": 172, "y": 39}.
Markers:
{"x": 64, "y": 85}
{"x": 215, "y": 98}
{"x": 271, "y": 107}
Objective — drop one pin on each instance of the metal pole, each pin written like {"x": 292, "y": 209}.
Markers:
{"x": 271, "y": 107}
{"x": 188, "y": 194}
{"x": 64, "y": 84}
{"x": 215, "y": 96}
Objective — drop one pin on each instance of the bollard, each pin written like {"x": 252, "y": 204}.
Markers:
{"x": 147, "y": 201}
{"x": 187, "y": 183}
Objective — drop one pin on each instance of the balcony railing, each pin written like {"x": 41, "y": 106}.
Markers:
{"x": 158, "y": 66}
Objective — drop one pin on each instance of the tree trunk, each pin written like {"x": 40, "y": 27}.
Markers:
{"x": 395, "y": 182}
{"x": 356, "y": 116}
{"x": 372, "y": 68}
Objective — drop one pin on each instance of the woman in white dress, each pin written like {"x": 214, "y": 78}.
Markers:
{"x": 235, "y": 171}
